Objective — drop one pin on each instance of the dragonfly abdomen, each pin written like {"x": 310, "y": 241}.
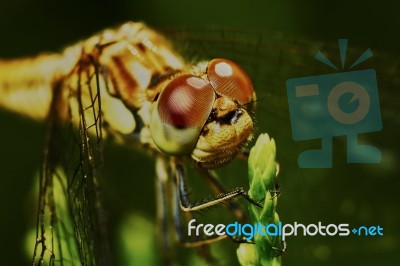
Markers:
{"x": 26, "y": 85}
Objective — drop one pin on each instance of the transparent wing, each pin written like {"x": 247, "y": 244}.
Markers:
{"x": 272, "y": 58}
{"x": 71, "y": 222}
{"x": 271, "y": 53}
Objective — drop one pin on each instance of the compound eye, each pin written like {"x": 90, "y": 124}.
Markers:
{"x": 230, "y": 80}
{"x": 179, "y": 114}
{"x": 186, "y": 102}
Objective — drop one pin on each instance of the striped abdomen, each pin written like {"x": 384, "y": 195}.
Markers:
{"x": 26, "y": 84}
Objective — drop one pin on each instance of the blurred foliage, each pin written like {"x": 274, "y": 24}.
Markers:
{"x": 355, "y": 194}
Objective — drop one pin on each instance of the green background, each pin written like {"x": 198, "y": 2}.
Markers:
{"x": 291, "y": 34}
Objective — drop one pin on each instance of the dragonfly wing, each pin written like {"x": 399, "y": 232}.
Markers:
{"x": 271, "y": 58}
{"x": 71, "y": 221}
{"x": 276, "y": 54}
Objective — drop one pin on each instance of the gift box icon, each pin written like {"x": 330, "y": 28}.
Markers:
{"x": 338, "y": 104}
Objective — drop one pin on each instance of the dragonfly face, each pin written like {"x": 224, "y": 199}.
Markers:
{"x": 204, "y": 115}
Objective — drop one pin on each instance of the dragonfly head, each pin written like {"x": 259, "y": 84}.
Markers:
{"x": 204, "y": 115}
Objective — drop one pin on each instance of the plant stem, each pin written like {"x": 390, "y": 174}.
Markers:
{"x": 262, "y": 178}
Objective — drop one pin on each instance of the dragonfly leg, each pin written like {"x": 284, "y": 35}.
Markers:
{"x": 201, "y": 245}
{"x": 164, "y": 196}
{"x": 162, "y": 211}
{"x": 216, "y": 185}
{"x": 180, "y": 201}
{"x": 187, "y": 206}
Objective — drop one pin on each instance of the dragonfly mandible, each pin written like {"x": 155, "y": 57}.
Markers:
{"x": 129, "y": 84}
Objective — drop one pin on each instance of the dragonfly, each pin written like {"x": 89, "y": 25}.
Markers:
{"x": 126, "y": 83}
{"x": 92, "y": 98}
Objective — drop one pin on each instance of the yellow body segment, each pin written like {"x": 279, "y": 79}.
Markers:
{"x": 221, "y": 141}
